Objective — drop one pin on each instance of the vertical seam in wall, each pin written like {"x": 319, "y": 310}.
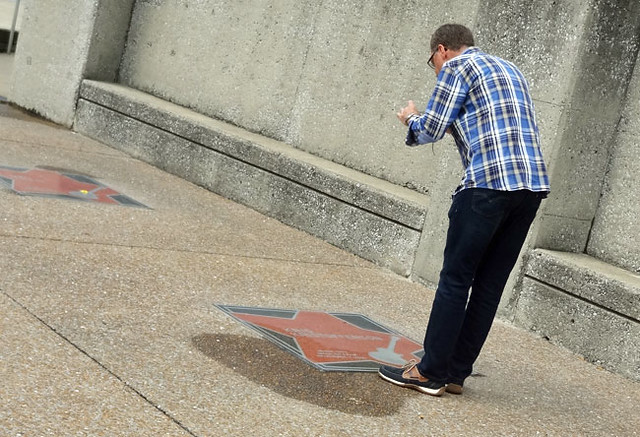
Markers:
{"x": 85, "y": 62}
{"x": 125, "y": 42}
{"x": 90, "y": 47}
{"x": 94, "y": 19}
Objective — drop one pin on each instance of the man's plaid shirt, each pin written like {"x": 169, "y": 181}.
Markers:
{"x": 485, "y": 102}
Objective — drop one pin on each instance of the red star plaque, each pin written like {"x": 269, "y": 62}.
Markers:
{"x": 330, "y": 341}
{"x": 40, "y": 182}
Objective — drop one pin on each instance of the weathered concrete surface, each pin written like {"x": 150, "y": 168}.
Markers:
{"x": 324, "y": 77}
{"x": 586, "y": 305}
{"x": 376, "y": 195}
{"x": 55, "y": 40}
{"x": 607, "y": 286}
{"x": 601, "y": 336}
{"x": 117, "y": 303}
{"x": 560, "y": 47}
{"x": 111, "y": 21}
{"x": 60, "y": 46}
{"x": 370, "y": 217}
{"x": 327, "y": 79}
{"x": 615, "y": 236}
{"x": 49, "y": 387}
{"x": 590, "y": 114}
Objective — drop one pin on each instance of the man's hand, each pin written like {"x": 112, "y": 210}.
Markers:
{"x": 407, "y": 112}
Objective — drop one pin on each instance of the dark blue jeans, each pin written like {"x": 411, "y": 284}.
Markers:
{"x": 487, "y": 229}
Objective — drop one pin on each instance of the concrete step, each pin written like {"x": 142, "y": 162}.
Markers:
{"x": 586, "y": 305}
{"x": 370, "y": 217}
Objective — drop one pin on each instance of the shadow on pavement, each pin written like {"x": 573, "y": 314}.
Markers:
{"x": 265, "y": 364}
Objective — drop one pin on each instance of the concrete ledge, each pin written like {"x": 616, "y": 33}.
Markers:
{"x": 365, "y": 215}
{"x": 588, "y": 278}
{"x": 585, "y": 305}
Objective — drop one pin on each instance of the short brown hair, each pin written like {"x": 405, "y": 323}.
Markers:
{"x": 452, "y": 36}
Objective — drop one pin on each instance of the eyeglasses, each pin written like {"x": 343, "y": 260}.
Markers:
{"x": 430, "y": 61}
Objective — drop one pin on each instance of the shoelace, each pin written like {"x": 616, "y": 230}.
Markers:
{"x": 409, "y": 365}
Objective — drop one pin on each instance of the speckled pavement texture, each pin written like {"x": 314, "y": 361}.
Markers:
{"x": 108, "y": 324}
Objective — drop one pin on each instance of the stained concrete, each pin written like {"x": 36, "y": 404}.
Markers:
{"x": 109, "y": 325}
{"x": 49, "y": 387}
{"x": 612, "y": 339}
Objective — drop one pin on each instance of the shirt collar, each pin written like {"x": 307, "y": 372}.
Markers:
{"x": 460, "y": 57}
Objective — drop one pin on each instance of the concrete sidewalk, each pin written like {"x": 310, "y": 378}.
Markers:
{"x": 108, "y": 322}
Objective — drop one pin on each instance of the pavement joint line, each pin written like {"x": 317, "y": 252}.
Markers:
{"x": 161, "y": 249}
{"x": 105, "y": 368}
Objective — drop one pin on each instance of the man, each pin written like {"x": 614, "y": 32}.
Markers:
{"x": 484, "y": 103}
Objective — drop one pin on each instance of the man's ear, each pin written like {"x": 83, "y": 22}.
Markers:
{"x": 443, "y": 52}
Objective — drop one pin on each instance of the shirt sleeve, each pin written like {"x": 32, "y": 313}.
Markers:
{"x": 443, "y": 108}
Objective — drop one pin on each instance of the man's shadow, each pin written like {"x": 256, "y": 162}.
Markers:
{"x": 264, "y": 363}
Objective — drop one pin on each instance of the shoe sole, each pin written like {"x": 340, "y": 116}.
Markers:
{"x": 454, "y": 389}
{"x": 426, "y": 390}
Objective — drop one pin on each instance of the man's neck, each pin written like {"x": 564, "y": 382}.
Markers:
{"x": 450, "y": 54}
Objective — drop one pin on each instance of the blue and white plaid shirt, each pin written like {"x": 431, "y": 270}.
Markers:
{"x": 485, "y": 101}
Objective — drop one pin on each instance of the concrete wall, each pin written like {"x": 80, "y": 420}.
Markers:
{"x": 50, "y": 57}
{"x": 589, "y": 118}
{"x": 375, "y": 219}
{"x": 61, "y": 44}
{"x": 325, "y": 77}
{"x": 615, "y": 237}
{"x": 578, "y": 57}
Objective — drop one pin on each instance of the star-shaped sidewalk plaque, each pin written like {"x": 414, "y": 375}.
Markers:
{"x": 48, "y": 183}
{"x": 330, "y": 341}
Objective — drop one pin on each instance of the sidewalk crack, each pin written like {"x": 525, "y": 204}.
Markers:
{"x": 102, "y": 366}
